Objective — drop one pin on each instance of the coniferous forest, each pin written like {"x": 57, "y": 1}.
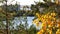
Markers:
{"x": 39, "y": 18}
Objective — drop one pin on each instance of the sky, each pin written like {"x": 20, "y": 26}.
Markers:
{"x": 27, "y": 2}
{"x": 23, "y": 2}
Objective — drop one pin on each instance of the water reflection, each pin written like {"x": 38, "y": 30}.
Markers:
{"x": 18, "y": 20}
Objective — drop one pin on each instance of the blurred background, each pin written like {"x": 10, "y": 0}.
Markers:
{"x": 16, "y": 16}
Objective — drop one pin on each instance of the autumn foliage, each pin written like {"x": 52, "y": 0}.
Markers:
{"x": 50, "y": 24}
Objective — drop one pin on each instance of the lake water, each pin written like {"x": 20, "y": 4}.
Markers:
{"x": 17, "y": 20}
